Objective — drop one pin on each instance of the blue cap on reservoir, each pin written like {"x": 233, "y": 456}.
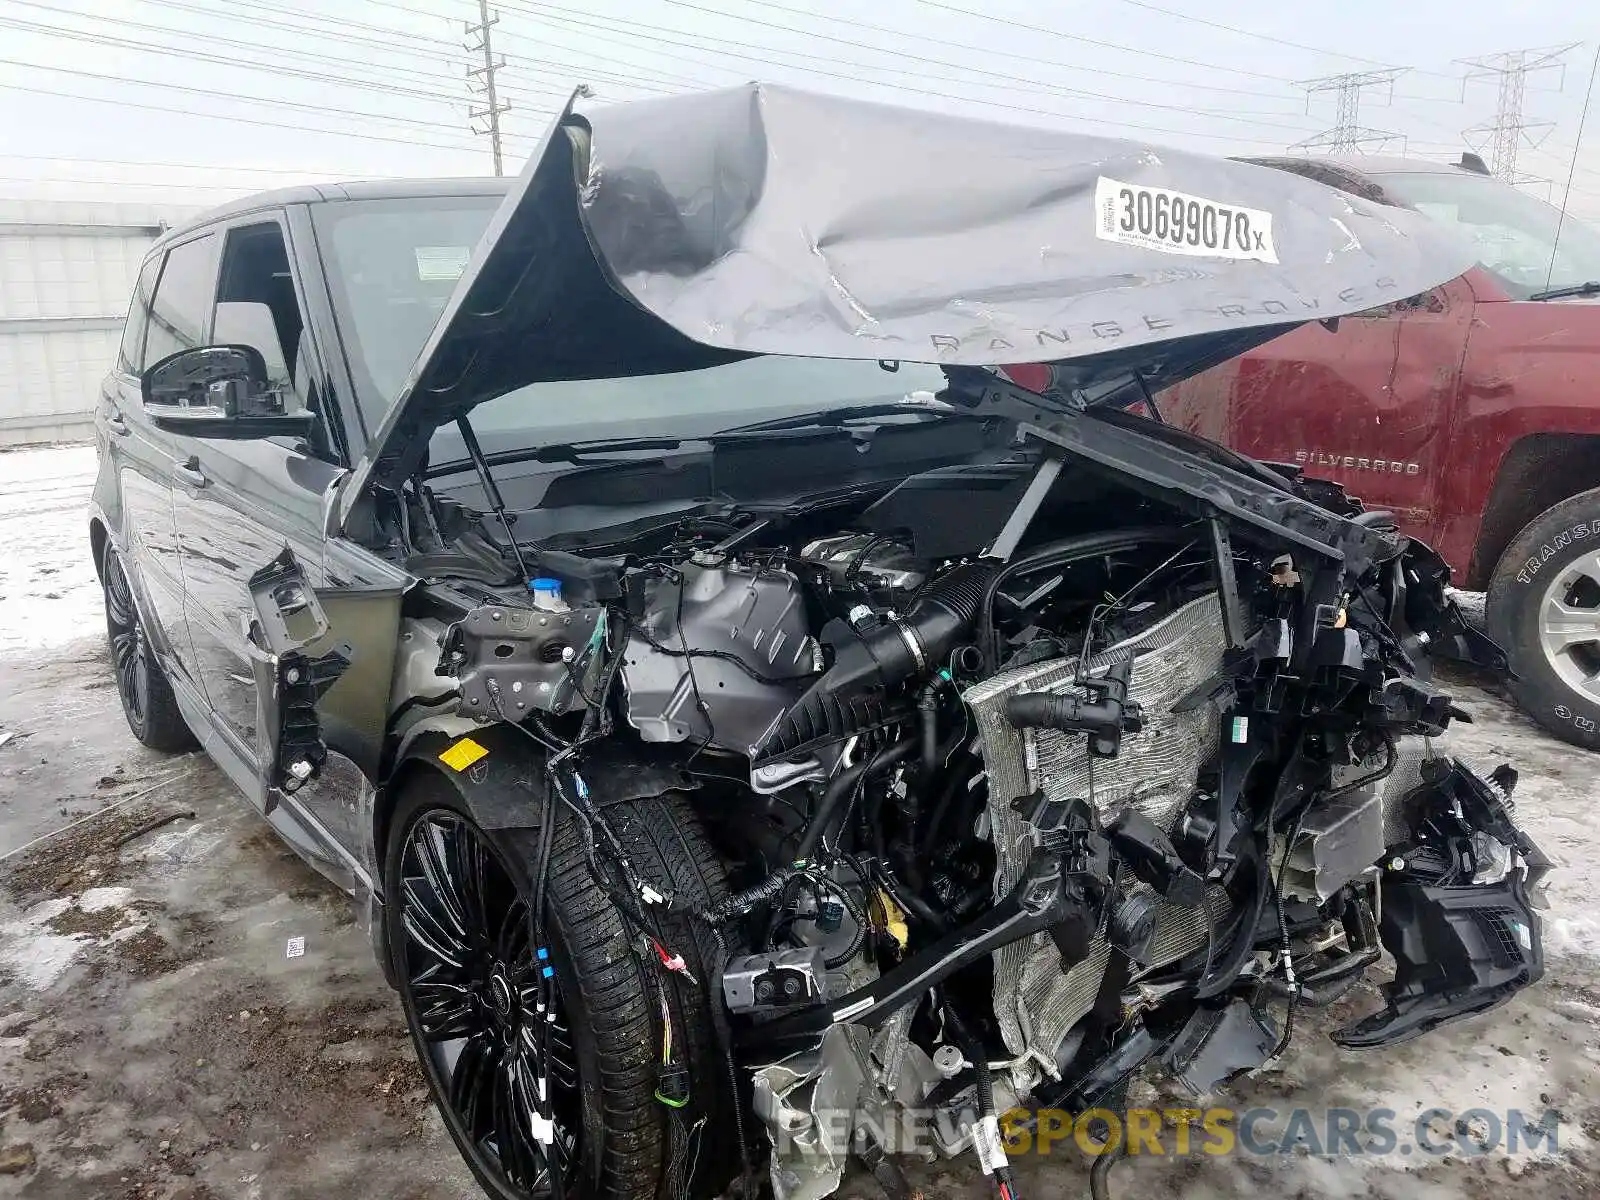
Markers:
{"x": 545, "y": 588}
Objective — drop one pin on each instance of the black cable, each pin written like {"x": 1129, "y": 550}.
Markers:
{"x": 1283, "y": 934}
{"x": 694, "y": 683}
{"x": 972, "y": 1047}
{"x": 1058, "y": 554}
{"x": 719, "y": 1023}
{"x": 853, "y": 571}
{"x": 1371, "y": 777}
{"x": 1100, "y": 1173}
{"x": 725, "y": 655}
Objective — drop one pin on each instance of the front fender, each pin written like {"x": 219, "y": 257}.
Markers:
{"x": 499, "y": 771}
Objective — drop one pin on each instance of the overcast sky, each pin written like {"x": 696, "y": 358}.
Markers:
{"x": 238, "y": 95}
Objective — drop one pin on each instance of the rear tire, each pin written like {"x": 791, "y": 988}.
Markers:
{"x": 147, "y": 699}
{"x": 1544, "y": 608}
{"x": 624, "y": 1136}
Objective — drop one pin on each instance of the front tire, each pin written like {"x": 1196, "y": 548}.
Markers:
{"x": 444, "y": 875}
{"x": 147, "y": 699}
{"x": 1544, "y": 608}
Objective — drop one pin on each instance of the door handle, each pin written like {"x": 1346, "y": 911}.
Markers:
{"x": 191, "y": 474}
{"x": 117, "y": 425}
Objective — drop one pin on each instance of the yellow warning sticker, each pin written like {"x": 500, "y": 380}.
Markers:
{"x": 462, "y": 754}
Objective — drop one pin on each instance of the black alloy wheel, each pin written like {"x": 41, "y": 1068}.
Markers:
{"x": 485, "y": 1008}
{"x": 129, "y": 655}
{"x": 146, "y": 696}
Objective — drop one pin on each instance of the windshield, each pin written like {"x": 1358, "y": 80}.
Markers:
{"x": 393, "y": 265}
{"x": 1513, "y": 233}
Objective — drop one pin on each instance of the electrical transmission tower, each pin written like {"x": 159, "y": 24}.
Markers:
{"x": 481, "y": 81}
{"x": 1506, "y": 132}
{"x": 1348, "y": 134}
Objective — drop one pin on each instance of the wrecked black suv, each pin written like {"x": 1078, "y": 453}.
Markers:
{"x": 752, "y": 722}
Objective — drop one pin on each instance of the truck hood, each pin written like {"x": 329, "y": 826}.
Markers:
{"x": 676, "y": 234}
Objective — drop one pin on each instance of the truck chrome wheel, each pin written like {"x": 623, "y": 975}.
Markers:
{"x": 484, "y": 1007}
{"x": 1569, "y": 625}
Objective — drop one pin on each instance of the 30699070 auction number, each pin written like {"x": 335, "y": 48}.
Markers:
{"x": 1178, "y": 223}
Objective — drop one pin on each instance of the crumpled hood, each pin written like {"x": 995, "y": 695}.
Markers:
{"x": 679, "y": 233}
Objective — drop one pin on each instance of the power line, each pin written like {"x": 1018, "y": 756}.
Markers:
{"x": 1088, "y": 41}
{"x": 262, "y": 64}
{"x": 1506, "y": 131}
{"x": 270, "y": 101}
{"x": 446, "y": 54}
{"x": 1348, "y": 135}
{"x": 553, "y": 13}
{"x": 278, "y": 69}
{"x": 442, "y": 53}
{"x": 255, "y": 47}
{"x": 944, "y": 63}
{"x": 77, "y": 160}
{"x": 1267, "y": 37}
{"x": 663, "y": 37}
{"x": 234, "y": 119}
{"x": 390, "y": 32}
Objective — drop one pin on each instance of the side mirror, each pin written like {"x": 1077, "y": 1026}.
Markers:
{"x": 219, "y": 392}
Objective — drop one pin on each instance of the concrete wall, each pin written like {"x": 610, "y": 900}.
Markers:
{"x": 66, "y": 272}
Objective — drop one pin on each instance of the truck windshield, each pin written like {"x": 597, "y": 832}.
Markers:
{"x": 392, "y": 265}
{"x": 1513, "y": 233}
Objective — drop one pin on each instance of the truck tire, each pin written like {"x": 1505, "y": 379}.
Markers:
{"x": 1544, "y": 608}
{"x": 603, "y": 1054}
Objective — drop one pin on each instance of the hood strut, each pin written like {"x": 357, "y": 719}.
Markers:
{"x": 490, "y": 488}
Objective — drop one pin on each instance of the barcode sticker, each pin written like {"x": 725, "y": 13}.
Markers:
{"x": 986, "y": 1141}
{"x": 1175, "y": 222}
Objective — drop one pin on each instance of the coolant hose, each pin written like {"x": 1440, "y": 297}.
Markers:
{"x": 928, "y": 708}
{"x": 840, "y": 786}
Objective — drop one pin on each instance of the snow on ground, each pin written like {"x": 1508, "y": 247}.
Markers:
{"x": 48, "y": 591}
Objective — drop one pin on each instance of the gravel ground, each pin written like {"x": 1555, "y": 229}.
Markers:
{"x": 157, "y": 1042}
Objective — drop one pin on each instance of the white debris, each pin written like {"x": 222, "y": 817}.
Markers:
{"x": 34, "y": 955}
{"x": 101, "y": 898}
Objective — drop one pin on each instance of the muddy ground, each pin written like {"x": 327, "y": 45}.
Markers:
{"x": 156, "y": 1041}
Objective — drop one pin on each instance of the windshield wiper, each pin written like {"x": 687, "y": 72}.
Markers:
{"x": 1591, "y": 288}
{"x": 577, "y": 453}
{"x": 838, "y": 418}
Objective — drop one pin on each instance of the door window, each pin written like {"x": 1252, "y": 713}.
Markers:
{"x": 182, "y": 300}
{"x": 256, "y": 302}
{"x": 130, "y": 356}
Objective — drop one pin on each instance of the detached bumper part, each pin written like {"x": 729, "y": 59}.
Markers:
{"x": 1462, "y": 944}
{"x": 1458, "y": 951}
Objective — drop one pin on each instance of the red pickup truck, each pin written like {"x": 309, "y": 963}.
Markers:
{"x": 1472, "y": 413}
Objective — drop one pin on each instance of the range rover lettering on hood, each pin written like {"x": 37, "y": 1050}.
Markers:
{"x": 680, "y": 233}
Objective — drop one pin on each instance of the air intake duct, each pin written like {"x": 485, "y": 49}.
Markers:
{"x": 867, "y": 663}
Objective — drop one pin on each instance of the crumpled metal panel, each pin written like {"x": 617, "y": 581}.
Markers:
{"x": 1035, "y": 1002}
{"x": 810, "y": 1104}
{"x": 678, "y": 233}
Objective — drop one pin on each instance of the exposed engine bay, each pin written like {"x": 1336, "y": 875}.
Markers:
{"x": 1118, "y": 773}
